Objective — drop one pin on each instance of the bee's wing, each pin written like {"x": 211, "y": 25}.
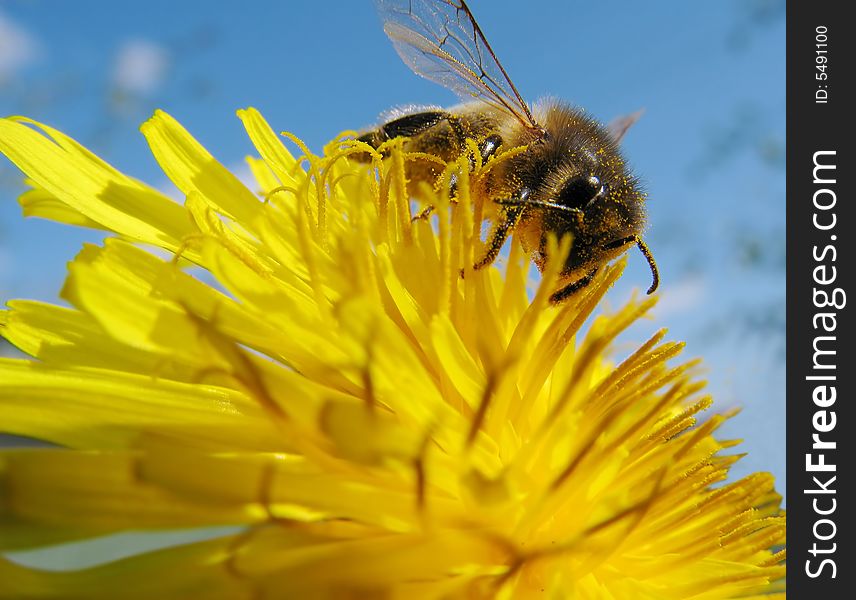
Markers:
{"x": 441, "y": 41}
{"x": 619, "y": 126}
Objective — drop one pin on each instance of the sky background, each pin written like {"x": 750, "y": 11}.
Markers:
{"x": 710, "y": 147}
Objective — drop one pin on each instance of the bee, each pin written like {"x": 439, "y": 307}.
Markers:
{"x": 571, "y": 178}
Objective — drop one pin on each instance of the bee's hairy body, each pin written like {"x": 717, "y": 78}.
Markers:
{"x": 571, "y": 179}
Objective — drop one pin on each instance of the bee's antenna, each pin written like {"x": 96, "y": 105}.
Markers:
{"x": 651, "y": 263}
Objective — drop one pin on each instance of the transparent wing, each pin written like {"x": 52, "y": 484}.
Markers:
{"x": 619, "y": 125}
{"x": 441, "y": 41}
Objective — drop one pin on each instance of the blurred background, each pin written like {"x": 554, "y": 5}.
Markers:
{"x": 710, "y": 146}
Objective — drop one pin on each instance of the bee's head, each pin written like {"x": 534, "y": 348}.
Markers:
{"x": 599, "y": 208}
{"x": 584, "y": 187}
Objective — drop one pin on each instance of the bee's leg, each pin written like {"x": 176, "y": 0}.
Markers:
{"x": 424, "y": 213}
{"x": 453, "y": 189}
{"x": 489, "y": 146}
{"x": 499, "y": 235}
{"x": 573, "y": 287}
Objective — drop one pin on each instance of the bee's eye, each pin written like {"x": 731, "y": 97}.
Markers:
{"x": 578, "y": 192}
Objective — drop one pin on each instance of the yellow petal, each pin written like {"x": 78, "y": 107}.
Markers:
{"x": 89, "y": 408}
{"x": 192, "y": 168}
{"x": 273, "y": 152}
{"x": 40, "y": 203}
{"x": 101, "y": 492}
{"x": 68, "y": 337}
{"x": 192, "y": 571}
{"x": 65, "y": 171}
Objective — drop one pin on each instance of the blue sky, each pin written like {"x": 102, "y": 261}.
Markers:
{"x": 710, "y": 147}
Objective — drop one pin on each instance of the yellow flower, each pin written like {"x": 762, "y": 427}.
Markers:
{"x": 377, "y": 425}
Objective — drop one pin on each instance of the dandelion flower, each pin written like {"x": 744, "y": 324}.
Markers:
{"x": 306, "y": 363}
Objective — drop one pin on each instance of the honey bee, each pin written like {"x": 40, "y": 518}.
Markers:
{"x": 571, "y": 179}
